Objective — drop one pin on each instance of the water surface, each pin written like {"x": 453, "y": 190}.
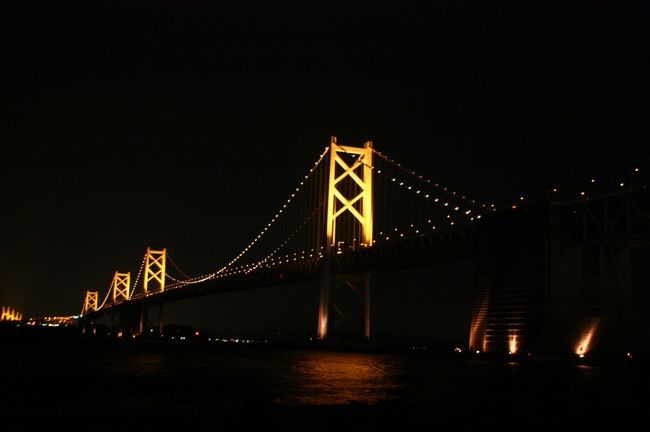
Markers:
{"x": 171, "y": 381}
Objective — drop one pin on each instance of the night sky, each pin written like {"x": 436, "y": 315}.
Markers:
{"x": 184, "y": 124}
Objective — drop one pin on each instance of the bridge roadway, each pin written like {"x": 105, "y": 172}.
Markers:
{"x": 535, "y": 249}
{"x": 453, "y": 245}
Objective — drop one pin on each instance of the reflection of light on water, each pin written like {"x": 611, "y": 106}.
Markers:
{"x": 512, "y": 343}
{"x": 477, "y": 338}
{"x": 584, "y": 344}
{"x": 339, "y": 378}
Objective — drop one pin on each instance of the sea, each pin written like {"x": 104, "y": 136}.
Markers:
{"x": 107, "y": 384}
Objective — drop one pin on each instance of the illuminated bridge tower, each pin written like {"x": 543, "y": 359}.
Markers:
{"x": 121, "y": 287}
{"x": 154, "y": 281}
{"x": 155, "y": 269}
{"x": 9, "y": 314}
{"x": 348, "y": 227}
{"x": 91, "y": 301}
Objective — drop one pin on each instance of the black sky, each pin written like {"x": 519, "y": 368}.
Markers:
{"x": 183, "y": 124}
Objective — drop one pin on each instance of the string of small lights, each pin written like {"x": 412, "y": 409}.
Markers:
{"x": 418, "y": 191}
{"x": 413, "y": 230}
{"x": 293, "y": 234}
{"x": 173, "y": 263}
{"x": 408, "y": 205}
{"x": 137, "y": 278}
{"x": 288, "y": 239}
{"x": 471, "y": 214}
{"x": 593, "y": 188}
{"x": 108, "y": 293}
{"x": 278, "y": 214}
{"x": 620, "y": 185}
{"x": 191, "y": 281}
{"x": 247, "y": 268}
{"x": 167, "y": 275}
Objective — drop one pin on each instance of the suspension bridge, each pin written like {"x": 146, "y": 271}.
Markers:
{"x": 357, "y": 211}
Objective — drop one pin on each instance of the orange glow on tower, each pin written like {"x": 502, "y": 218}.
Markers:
{"x": 121, "y": 286}
{"x": 586, "y": 339}
{"x": 477, "y": 339}
{"x": 513, "y": 345}
{"x": 154, "y": 271}
{"x": 9, "y": 314}
{"x": 91, "y": 302}
{"x": 338, "y": 203}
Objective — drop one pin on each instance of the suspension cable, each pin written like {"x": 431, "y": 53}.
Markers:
{"x": 171, "y": 260}
{"x": 107, "y": 294}
{"x": 428, "y": 181}
{"x": 137, "y": 278}
{"x": 292, "y": 235}
{"x": 277, "y": 214}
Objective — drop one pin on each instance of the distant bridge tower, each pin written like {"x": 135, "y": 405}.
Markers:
{"x": 91, "y": 302}
{"x": 155, "y": 269}
{"x": 121, "y": 286}
{"x": 349, "y": 196}
{"x": 9, "y": 314}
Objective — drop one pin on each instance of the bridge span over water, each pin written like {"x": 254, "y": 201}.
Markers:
{"x": 553, "y": 276}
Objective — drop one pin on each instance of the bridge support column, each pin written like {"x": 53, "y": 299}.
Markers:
{"x": 349, "y": 201}
{"x": 142, "y": 325}
{"x": 113, "y": 326}
{"x": 324, "y": 306}
{"x": 150, "y": 318}
{"x": 88, "y": 327}
{"x": 350, "y": 295}
{"x": 366, "y": 306}
{"x": 154, "y": 318}
{"x": 160, "y": 320}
